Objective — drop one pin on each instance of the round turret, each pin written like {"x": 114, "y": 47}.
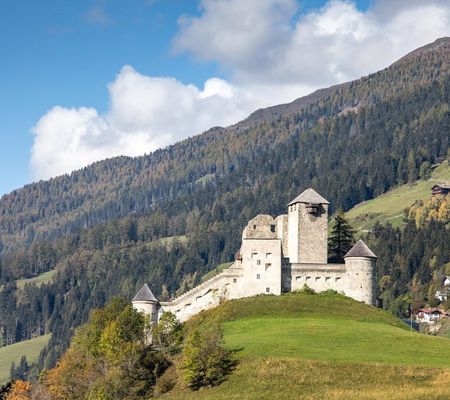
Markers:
{"x": 360, "y": 273}
{"x": 146, "y": 302}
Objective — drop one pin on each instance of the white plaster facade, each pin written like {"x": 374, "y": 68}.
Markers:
{"x": 279, "y": 255}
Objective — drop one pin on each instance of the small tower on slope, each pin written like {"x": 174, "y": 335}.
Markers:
{"x": 146, "y": 302}
{"x": 360, "y": 273}
{"x": 307, "y": 228}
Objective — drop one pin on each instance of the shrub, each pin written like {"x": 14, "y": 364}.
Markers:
{"x": 329, "y": 292}
{"x": 168, "y": 334}
{"x": 306, "y": 290}
{"x": 205, "y": 362}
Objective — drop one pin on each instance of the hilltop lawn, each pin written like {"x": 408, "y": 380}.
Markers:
{"x": 14, "y": 352}
{"x": 299, "y": 346}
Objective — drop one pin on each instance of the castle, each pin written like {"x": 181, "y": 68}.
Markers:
{"x": 277, "y": 255}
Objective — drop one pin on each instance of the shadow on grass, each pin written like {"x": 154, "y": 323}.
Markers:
{"x": 228, "y": 366}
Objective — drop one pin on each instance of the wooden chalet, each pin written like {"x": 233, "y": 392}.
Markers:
{"x": 441, "y": 188}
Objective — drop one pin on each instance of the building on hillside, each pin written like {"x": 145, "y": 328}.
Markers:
{"x": 429, "y": 315}
{"x": 442, "y": 294}
{"x": 440, "y": 188}
{"x": 277, "y": 255}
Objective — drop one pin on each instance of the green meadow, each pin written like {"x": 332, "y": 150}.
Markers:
{"x": 389, "y": 206}
{"x": 299, "y": 346}
{"x": 216, "y": 271}
{"x": 14, "y": 352}
{"x": 45, "y": 277}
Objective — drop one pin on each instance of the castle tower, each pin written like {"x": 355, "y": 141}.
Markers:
{"x": 360, "y": 273}
{"x": 307, "y": 228}
{"x": 146, "y": 302}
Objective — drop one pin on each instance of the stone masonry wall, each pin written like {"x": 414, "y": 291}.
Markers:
{"x": 319, "y": 277}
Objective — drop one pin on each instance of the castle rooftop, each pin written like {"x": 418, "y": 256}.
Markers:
{"x": 360, "y": 249}
{"x": 145, "y": 294}
{"x": 309, "y": 196}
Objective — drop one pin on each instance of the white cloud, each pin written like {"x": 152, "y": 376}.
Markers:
{"x": 146, "y": 113}
{"x": 265, "y": 41}
{"x": 273, "y": 53}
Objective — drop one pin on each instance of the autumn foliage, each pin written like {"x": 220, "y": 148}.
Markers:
{"x": 20, "y": 390}
{"x": 109, "y": 358}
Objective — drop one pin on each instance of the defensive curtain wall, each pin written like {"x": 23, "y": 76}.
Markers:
{"x": 277, "y": 255}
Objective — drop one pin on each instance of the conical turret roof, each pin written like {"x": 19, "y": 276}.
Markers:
{"x": 145, "y": 294}
{"x": 309, "y": 196}
{"x": 360, "y": 249}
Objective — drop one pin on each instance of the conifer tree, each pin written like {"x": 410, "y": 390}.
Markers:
{"x": 341, "y": 239}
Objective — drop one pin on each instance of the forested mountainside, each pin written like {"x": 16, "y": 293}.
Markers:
{"x": 370, "y": 133}
{"x": 102, "y": 228}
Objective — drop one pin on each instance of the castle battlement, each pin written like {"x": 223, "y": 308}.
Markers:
{"x": 277, "y": 255}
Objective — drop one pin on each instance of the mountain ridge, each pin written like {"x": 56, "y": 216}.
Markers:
{"x": 260, "y": 115}
{"x": 123, "y": 185}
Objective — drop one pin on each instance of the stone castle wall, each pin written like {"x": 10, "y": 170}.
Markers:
{"x": 319, "y": 277}
{"x": 279, "y": 255}
{"x": 224, "y": 286}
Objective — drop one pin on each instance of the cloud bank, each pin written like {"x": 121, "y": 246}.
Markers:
{"x": 273, "y": 53}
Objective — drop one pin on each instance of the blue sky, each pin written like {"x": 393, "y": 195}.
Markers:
{"x": 52, "y": 52}
{"x": 66, "y": 99}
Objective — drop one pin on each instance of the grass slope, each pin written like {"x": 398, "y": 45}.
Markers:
{"x": 14, "y": 352}
{"x": 45, "y": 277}
{"x": 216, "y": 271}
{"x": 300, "y": 346}
{"x": 389, "y": 206}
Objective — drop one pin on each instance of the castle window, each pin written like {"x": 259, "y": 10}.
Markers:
{"x": 308, "y": 278}
{"x": 267, "y": 289}
{"x": 268, "y": 265}
{"x": 317, "y": 278}
{"x": 234, "y": 280}
{"x": 254, "y": 226}
{"x": 258, "y": 276}
{"x": 268, "y": 255}
{"x": 258, "y": 262}
{"x": 254, "y": 255}
{"x": 272, "y": 228}
{"x": 297, "y": 278}
{"x": 327, "y": 279}
{"x": 337, "y": 279}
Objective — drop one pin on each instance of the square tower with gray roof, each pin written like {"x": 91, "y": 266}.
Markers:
{"x": 307, "y": 228}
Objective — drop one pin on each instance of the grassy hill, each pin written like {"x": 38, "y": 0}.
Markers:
{"x": 14, "y": 352}
{"x": 299, "y": 346}
{"x": 389, "y": 206}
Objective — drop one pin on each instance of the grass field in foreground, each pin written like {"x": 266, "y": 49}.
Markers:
{"x": 389, "y": 206}
{"x": 297, "y": 346}
{"x": 14, "y": 352}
